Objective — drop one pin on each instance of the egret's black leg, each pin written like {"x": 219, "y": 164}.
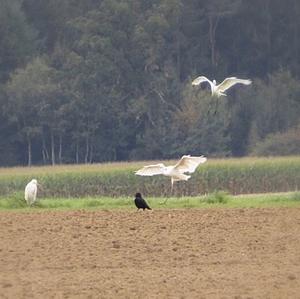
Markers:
{"x": 216, "y": 107}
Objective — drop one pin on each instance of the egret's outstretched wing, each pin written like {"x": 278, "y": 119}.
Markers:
{"x": 201, "y": 79}
{"x": 188, "y": 163}
{"x": 228, "y": 82}
{"x": 151, "y": 170}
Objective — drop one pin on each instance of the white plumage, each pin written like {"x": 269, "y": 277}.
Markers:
{"x": 187, "y": 164}
{"x": 219, "y": 90}
{"x": 31, "y": 191}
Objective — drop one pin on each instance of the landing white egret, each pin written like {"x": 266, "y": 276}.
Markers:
{"x": 187, "y": 164}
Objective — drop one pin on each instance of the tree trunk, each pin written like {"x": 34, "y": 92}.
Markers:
{"x": 268, "y": 36}
{"x": 178, "y": 58}
{"x": 29, "y": 152}
{"x": 60, "y": 149}
{"x": 91, "y": 153}
{"x": 87, "y": 149}
{"x": 44, "y": 150}
{"x": 213, "y": 24}
{"x": 296, "y": 35}
{"x": 77, "y": 152}
{"x": 52, "y": 148}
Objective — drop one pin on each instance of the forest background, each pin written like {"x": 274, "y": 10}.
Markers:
{"x": 84, "y": 81}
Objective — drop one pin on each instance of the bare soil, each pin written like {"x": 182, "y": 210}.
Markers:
{"x": 199, "y": 253}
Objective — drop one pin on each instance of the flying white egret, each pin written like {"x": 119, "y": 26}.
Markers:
{"x": 219, "y": 90}
{"x": 31, "y": 191}
{"x": 177, "y": 172}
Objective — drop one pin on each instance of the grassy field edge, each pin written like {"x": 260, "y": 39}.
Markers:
{"x": 235, "y": 175}
{"x": 215, "y": 200}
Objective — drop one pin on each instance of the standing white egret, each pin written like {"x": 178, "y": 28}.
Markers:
{"x": 31, "y": 191}
{"x": 187, "y": 164}
{"x": 219, "y": 90}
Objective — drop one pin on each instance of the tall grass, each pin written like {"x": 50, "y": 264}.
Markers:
{"x": 236, "y": 176}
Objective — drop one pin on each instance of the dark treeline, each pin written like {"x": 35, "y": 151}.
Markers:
{"x": 104, "y": 80}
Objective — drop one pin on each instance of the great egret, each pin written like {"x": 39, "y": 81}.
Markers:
{"x": 31, "y": 191}
{"x": 219, "y": 90}
{"x": 140, "y": 202}
{"x": 187, "y": 164}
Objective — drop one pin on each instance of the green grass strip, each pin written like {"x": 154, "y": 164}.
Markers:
{"x": 215, "y": 200}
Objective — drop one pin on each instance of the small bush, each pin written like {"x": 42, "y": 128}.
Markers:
{"x": 15, "y": 201}
{"x": 217, "y": 197}
{"x": 93, "y": 203}
{"x": 295, "y": 196}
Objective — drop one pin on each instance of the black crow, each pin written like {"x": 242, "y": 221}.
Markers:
{"x": 140, "y": 202}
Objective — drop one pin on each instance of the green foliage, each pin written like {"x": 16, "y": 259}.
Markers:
{"x": 279, "y": 144}
{"x": 237, "y": 176}
{"x": 216, "y": 200}
{"x": 201, "y": 123}
{"x": 14, "y": 201}
{"x": 217, "y": 197}
{"x": 17, "y": 38}
{"x": 112, "y": 79}
{"x": 295, "y": 196}
{"x": 277, "y": 105}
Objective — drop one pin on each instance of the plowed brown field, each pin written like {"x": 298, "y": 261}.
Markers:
{"x": 199, "y": 253}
